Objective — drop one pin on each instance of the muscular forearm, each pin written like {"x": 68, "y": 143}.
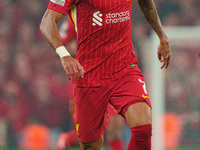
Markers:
{"x": 49, "y": 28}
{"x": 150, "y": 13}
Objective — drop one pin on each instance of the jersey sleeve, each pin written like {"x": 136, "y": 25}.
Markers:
{"x": 61, "y": 6}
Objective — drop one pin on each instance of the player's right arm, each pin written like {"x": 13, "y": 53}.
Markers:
{"x": 50, "y": 31}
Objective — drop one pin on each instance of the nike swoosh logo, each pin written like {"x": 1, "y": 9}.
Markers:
{"x": 145, "y": 96}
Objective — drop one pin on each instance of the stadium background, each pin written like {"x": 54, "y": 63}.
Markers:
{"x": 34, "y": 87}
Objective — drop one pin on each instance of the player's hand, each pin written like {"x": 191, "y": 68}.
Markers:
{"x": 164, "y": 52}
{"x": 71, "y": 67}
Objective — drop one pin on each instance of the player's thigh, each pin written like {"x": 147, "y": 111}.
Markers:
{"x": 130, "y": 89}
{"x": 97, "y": 145}
{"x": 138, "y": 114}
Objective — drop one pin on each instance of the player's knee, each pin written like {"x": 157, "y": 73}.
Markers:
{"x": 145, "y": 119}
{"x": 138, "y": 114}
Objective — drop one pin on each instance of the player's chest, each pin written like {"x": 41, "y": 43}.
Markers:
{"x": 107, "y": 4}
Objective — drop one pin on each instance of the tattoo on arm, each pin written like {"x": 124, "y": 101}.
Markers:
{"x": 150, "y": 13}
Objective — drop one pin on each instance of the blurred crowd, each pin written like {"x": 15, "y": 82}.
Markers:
{"x": 34, "y": 88}
{"x": 183, "y": 96}
{"x": 33, "y": 85}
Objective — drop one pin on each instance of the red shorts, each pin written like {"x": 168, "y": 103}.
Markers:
{"x": 91, "y": 104}
{"x": 111, "y": 110}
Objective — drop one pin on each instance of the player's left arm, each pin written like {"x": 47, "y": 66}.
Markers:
{"x": 150, "y": 13}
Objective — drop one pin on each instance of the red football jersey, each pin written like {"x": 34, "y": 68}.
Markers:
{"x": 104, "y": 46}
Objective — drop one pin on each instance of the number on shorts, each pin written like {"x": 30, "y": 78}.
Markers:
{"x": 144, "y": 86}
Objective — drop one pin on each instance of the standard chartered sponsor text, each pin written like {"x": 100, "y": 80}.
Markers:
{"x": 117, "y": 17}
